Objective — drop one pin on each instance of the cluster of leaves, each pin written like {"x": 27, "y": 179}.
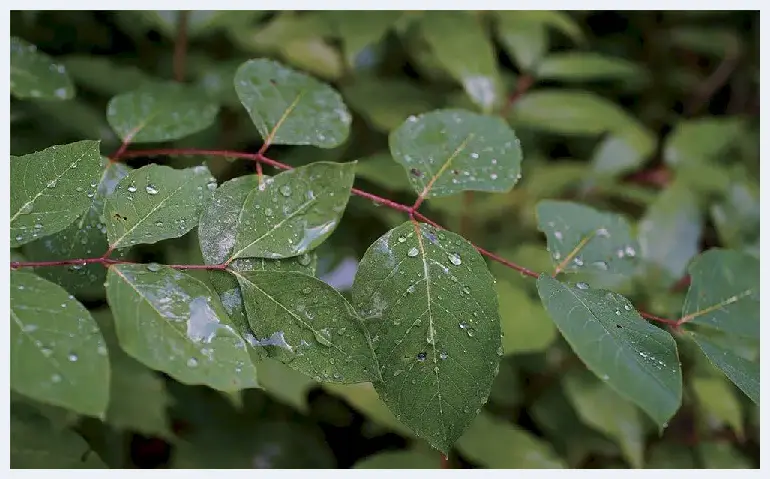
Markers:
{"x": 423, "y": 321}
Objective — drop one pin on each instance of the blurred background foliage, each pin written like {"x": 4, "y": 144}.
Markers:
{"x": 653, "y": 114}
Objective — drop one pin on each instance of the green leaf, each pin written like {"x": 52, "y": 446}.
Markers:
{"x": 694, "y": 142}
{"x": 51, "y": 189}
{"x": 724, "y": 293}
{"x": 601, "y": 408}
{"x": 722, "y": 455}
{"x": 315, "y": 56}
{"x": 58, "y": 354}
{"x": 497, "y": 444}
{"x": 405, "y": 459}
{"x": 156, "y": 202}
{"x": 736, "y": 217}
{"x": 102, "y": 75}
{"x": 469, "y": 58}
{"x": 284, "y": 383}
{"x": 85, "y": 238}
{"x": 670, "y": 230}
{"x": 569, "y": 112}
{"x": 581, "y": 238}
{"x": 743, "y": 373}
{"x": 559, "y": 21}
{"x": 37, "y": 444}
{"x": 380, "y": 169}
{"x": 448, "y": 151}
{"x": 363, "y": 398}
{"x": 293, "y": 212}
{"x": 525, "y": 324}
{"x": 670, "y": 455}
{"x": 160, "y": 112}
{"x": 35, "y": 75}
{"x": 429, "y": 303}
{"x": 173, "y": 323}
{"x": 622, "y": 152}
{"x": 199, "y": 22}
{"x": 291, "y": 108}
{"x": 636, "y": 359}
{"x": 216, "y": 234}
{"x": 717, "y": 400}
{"x": 386, "y": 103}
{"x": 360, "y": 29}
{"x": 582, "y": 66}
{"x": 138, "y": 397}
{"x": 306, "y": 324}
{"x": 525, "y": 41}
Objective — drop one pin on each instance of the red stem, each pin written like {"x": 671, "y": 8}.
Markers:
{"x": 445, "y": 462}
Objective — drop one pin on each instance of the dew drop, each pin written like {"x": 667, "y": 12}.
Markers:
{"x": 304, "y": 259}
{"x": 401, "y": 239}
{"x": 26, "y": 209}
{"x": 500, "y": 351}
{"x": 578, "y": 261}
{"x": 72, "y": 357}
{"x": 558, "y": 235}
{"x": 471, "y": 333}
{"x": 493, "y": 176}
{"x": 151, "y": 190}
{"x": 602, "y": 265}
{"x": 79, "y": 189}
{"x": 28, "y": 328}
{"x": 268, "y": 212}
{"x": 56, "y": 378}
{"x": 443, "y": 355}
{"x": 51, "y": 184}
{"x": 627, "y": 307}
{"x": 410, "y": 289}
{"x": 454, "y": 258}
{"x": 285, "y": 190}
{"x": 132, "y": 189}
{"x": 603, "y": 233}
{"x": 192, "y": 362}
{"x": 322, "y": 337}
{"x": 621, "y": 253}
{"x": 305, "y": 290}
{"x": 630, "y": 251}
{"x": 582, "y": 285}
{"x": 413, "y": 252}
{"x": 154, "y": 267}
{"x": 46, "y": 352}
{"x": 463, "y": 325}
{"x": 101, "y": 350}
{"x": 421, "y": 356}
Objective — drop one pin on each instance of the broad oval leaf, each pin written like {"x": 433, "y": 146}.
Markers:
{"x": 360, "y": 29}
{"x": 525, "y": 41}
{"x": 724, "y": 293}
{"x": 580, "y": 66}
{"x": 581, "y": 238}
{"x": 695, "y": 142}
{"x": 386, "y": 103}
{"x": 525, "y": 324}
{"x": 291, "y": 108}
{"x": 216, "y": 233}
{"x": 35, "y": 75}
{"x": 560, "y": 21}
{"x": 294, "y": 212}
{"x": 37, "y": 443}
{"x": 633, "y": 357}
{"x": 58, "y": 355}
{"x": 445, "y": 152}
{"x": 160, "y": 112}
{"x": 85, "y": 238}
{"x": 429, "y": 303}
{"x": 308, "y": 325}
{"x": 497, "y": 444}
{"x": 470, "y": 58}
{"x": 173, "y": 323}
{"x": 101, "y": 75}
{"x": 156, "y": 202}
{"x": 743, "y": 373}
{"x": 52, "y": 188}
{"x": 716, "y": 399}
{"x": 404, "y": 459}
{"x": 601, "y": 408}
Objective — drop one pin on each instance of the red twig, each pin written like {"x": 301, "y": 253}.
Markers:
{"x": 522, "y": 85}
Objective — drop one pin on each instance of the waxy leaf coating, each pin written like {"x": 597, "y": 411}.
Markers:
{"x": 58, "y": 355}
{"x": 294, "y": 212}
{"x": 308, "y": 325}
{"x": 156, "y": 202}
{"x": 633, "y": 357}
{"x": 445, "y": 152}
{"x": 160, "y": 112}
{"x": 173, "y": 323}
{"x": 742, "y": 372}
{"x": 430, "y": 305}
{"x": 35, "y": 75}
{"x": 581, "y": 238}
{"x": 52, "y": 188}
{"x": 291, "y": 108}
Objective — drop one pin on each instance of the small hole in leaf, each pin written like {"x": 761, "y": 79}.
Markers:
{"x": 618, "y": 326}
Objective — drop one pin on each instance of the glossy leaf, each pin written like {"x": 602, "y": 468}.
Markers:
{"x": 601, "y": 408}
{"x": 38, "y": 444}
{"x": 35, "y": 74}
{"x": 138, "y": 397}
{"x": 307, "y": 325}
{"x": 102, "y": 75}
{"x": 695, "y": 142}
{"x": 556, "y": 20}
{"x": 496, "y": 444}
{"x": 736, "y": 217}
{"x": 360, "y": 29}
{"x": 525, "y": 41}
{"x": 173, "y": 323}
{"x": 469, "y": 58}
{"x": 406, "y": 459}
{"x": 429, "y": 303}
{"x": 156, "y": 202}
{"x": 525, "y": 324}
{"x": 581, "y": 238}
{"x": 386, "y": 103}
{"x": 723, "y": 455}
{"x": 160, "y": 112}
{"x": 85, "y": 238}
{"x": 363, "y": 398}
{"x": 293, "y": 212}
{"x": 581, "y": 66}
{"x": 448, "y": 151}
{"x": 315, "y": 56}
{"x": 670, "y": 230}
{"x": 621, "y": 153}
{"x": 636, "y": 359}
{"x": 52, "y": 188}
{"x": 199, "y": 22}
{"x": 717, "y": 400}
{"x": 58, "y": 354}
{"x": 291, "y": 108}
{"x": 743, "y": 373}
{"x": 724, "y": 293}
{"x": 380, "y": 169}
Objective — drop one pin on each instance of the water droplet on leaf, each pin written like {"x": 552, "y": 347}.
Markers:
{"x": 413, "y": 252}
{"x": 454, "y": 258}
{"x": 151, "y": 190}
{"x": 582, "y": 285}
